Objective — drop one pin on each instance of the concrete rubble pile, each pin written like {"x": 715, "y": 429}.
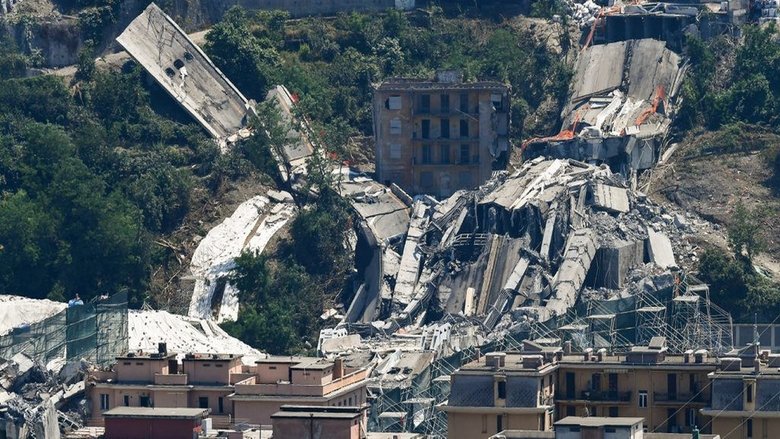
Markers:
{"x": 38, "y": 401}
{"x": 525, "y": 247}
{"x": 583, "y": 13}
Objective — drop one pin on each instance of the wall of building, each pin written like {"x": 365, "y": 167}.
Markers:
{"x": 482, "y": 425}
{"x": 453, "y": 162}
{"x": 213, "y": 396}
{"x": 269, "y": 373}
{"x": 139, "y": 370}
{"x": 633, "y": 380}
{"x": 316, "y": 428}
{"x": 210, "y": 372}
{"x": 124, "y": 428}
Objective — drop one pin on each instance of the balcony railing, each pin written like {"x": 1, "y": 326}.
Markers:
{"x": 679, "y": 397}
{"x": 597, "y": 395}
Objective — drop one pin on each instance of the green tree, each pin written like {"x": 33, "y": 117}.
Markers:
{"x": 744, "y": 231}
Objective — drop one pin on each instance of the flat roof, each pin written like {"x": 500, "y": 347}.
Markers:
{"x": 146, "y": 356}
{"x": 599, "y": 421}
{"x": 157, "y": 412}
{"x": 213, "y": 357}
{"x": 283, "y": 360}
{"x": 316, "y": 415}
{"x": 427, "y": 84}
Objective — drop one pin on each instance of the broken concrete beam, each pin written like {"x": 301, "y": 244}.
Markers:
{"x": 548, "y": 231}
{"x": 411, "y": 257}
{"x": 610, "y": 198}
{"x": 659, "y": 249}
{"x": 568, "y": 281}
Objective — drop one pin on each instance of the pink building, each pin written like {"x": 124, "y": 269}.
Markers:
{"x": 233, "y": 392}
{"x": 306, "y": 422}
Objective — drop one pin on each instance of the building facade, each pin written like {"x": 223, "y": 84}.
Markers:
{"x": 666, "y": 390}
{"x": 501, "y": 391}
{"x": 233, "y": 392}
{"x": 745, "y": 400}
{"x": 153, "y": 423}
{"x": 436, "y": 137}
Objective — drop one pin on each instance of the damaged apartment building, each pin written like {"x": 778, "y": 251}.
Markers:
{"x": 436, "y": 137}
{"x": 622, "y": 101}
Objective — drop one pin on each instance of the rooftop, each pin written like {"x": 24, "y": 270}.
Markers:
{"x": 147, "y": 356}
{"x": 157, "y": 412}
{"x": 599, "y": 421}
{"x": 427, "y": 84}
{"x": 212, "y": 357}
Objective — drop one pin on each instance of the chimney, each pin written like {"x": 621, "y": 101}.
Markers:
{"x": 600, "y": 354}
{"x": 338, "y": 368}
{"x": 699, "y": 356}
{"x": 688, "y": 355}
{"x": 559, "y": 356}
{"x": 567, "y": 347}
{"x": 586, "y": 354}
{"x": 162, "y": 348}
{"x": 495, "y": 359}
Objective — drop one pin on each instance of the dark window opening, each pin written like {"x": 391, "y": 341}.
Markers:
{"x": 749, "y": 392}
{"x": 571, "y": 410}
{"x": 425, "y": 103}
{"x": 127, "y": 400}
{"x": 502, "y": 390}
{"x": 749, "y": 428}
{"x": 178, "y": 63}
{"x": 169, "y": 71}
{"x": 445, "y": 103}
{"x": 221, "y": 404}
{"x": 426, "y": 129}
{"x": 570, "y": 390}
{"x": 445, "y": 128}
{"x": 464, "y": 128}
{"x": 203, "y": 402}
{"x": 595, "y": 381}
{"x": 144, "y": 401}
{"x": 464, "y": 102}
{"x": 499, "y": 423}
{"x": 613, "y": 412}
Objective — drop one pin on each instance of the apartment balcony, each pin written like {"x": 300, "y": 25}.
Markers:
{"x": 609, "y": 396}
{"x": 164, "y": 379}
{"x": 679, "y": 398}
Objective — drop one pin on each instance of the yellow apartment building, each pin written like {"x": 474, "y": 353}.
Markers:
{"x": 436, "y": 137}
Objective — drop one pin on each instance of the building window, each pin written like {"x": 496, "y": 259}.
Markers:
{"x": 499, "y": 423}
{"x": 445, "y": 103}
{"x": 427, "y": 157}
{"x": 464, "y": 128}
{"x": 127, "y": 400}
{"x": 394, "y": 103}
{"x": 613, "y": 412}
{"x": 498, "y": 102}
{"x": 271, "y": 367}
{"x": 139, "y": 364}
{"x": 425, "y": 103}
{"x": 749, "y": 392}
{"x": 426, "y": 180}
{"x": 484, "y": 423}
{"x": 691, "y": 418}
{"x": 221, "y": 405}
{"x": 445, "y": 128}
{"x": 749, "y": 425}
{"x": 501, "y": 390}
{"x": 206, "y": 364}
{"x": 350, "y": 401}
{"x": 464, "y": 154}
{"x": 426, "y": 129}
{"x": 395, "y": 126}
{"x": 595, "y": 382}
{"x": 104, "y": 402}
{"x": 217, "y": 365}
{"x": 395, "y": 151}
{"x": 643, "y": 398}
{"x": 144, "y": 401}
{"x": 127, "y": 363}
{"x": 610, "y": 430}
{"x": 444, "y": 154}
{"x": 571, "y": 410}
{"x": 203, "y": 402}
{"x": 464, "y": 102}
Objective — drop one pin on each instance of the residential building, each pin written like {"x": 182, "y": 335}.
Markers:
{"x": 277, "y": 381}
{"x": 232, "y": 391}
{"x": 745, "y": 400}
{"x": 158, "y": 380}
{"x": 153, "y": 423}
{"x": 501, "y": 391}
{"x": 595, "y": 427}
{"x": 436, "y": 137}
{"x": 666, "y": 390}
{"x": 312, "y": 422}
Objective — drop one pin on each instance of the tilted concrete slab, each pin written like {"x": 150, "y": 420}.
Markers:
{"x": 185, "y": 72}
{"x": 610, "y": 198}
{"x": 659, "y": 248}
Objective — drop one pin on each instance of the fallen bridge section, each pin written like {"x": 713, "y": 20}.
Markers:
{"x": 185, "y": 72}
